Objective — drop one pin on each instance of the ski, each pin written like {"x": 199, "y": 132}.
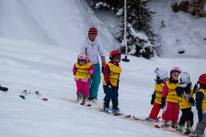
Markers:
{"x": 162, "y": 126}
{"x": 77, "y": 102}
{"x": 188, "y": 133}
{"x": 83, "y": 103}
{"x": 125, "y": 115}
{"x": 194, "y": 135}
{"x": 102, "y": 110}
{"x": 141, "y": 119}
{"x": 138, "y": 118}
{"x": 165, "y": 126}
{"x": 122, "y": 115}
{"x": 170, "y": 129}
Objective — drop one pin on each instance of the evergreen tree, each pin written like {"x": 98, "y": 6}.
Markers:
{"x": 105, "y": 4}
{"x": 139, "y": 19}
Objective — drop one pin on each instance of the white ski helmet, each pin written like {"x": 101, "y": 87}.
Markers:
{"x": 161, "y": 73}
{"x": 184, "y": 77}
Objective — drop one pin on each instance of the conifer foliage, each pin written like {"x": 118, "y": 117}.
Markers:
{"x": 140, "y": 36}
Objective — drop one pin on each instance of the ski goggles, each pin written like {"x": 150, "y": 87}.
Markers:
{"x": 117, "y": 57}
{"x": 81, "y": 60}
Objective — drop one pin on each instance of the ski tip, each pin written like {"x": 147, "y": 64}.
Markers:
{"x": 157, "y": 126}
{"x": 115, "y": 114}
{"x": 21, "y": 96}
{"x": 128, "y": 116}
{"x": 99, "y": 108}
{"x": 45, "y": 99}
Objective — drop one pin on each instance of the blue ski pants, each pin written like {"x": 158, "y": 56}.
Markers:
{"x": 111, "y": 94}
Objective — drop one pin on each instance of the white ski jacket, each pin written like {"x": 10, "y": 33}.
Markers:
{"x": 91, "y": 49}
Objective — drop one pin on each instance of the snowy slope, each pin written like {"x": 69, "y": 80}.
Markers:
{"x": 52, "y": 76}
{"x": 41, "y": 58}
{"x": 64, "y": 23}
{"x": 182, "y": 31}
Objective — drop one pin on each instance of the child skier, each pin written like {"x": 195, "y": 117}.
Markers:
{"x": 170, "y": 98}
{"x": 111, "y": 82}
{"x": 201, "y": 106}
{"x": 82, "y": 70}
{"x": 186, "y": 101}
{"x": 161, "y": 77}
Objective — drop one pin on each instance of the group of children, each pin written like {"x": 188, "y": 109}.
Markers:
{"x": 175, "y": 93}
{"x": 171, "y": 94}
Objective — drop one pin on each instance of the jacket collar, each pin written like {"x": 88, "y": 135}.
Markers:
{"x": 173, "y": 81}
{"x": 159, "y": 81}
{"x": 203, "y": 86}
{"x": 89, "y": 41}
{"x": 114, "y": 64}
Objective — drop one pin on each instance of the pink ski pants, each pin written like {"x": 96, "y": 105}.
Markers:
{"x": 83, "y": 86}
{"x": 171, "y": 108}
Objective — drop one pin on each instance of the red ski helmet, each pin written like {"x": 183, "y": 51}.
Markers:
{"x": 113, "y": 54}
{"x": 202, "y": 79}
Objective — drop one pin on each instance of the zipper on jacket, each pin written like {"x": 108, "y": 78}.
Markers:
{"x": 92, "y": 46}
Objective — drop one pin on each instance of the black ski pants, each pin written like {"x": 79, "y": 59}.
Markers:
{"x": 187, "y": 115}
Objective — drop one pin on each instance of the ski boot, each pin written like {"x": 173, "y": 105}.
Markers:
{"x": 174, "y": 124}
{"x": 85, "y": 101}
{"x": 79, "y": 96}
{"x": 116, "y": 111}
{"x": 189, "y": 127}
{"x": 165, "y": 124}
{"x": 181, "y": 128}
{"x": 150, "y": 119}
{"x": 93, "y": 100}
{"x": 106, "y": 108}
{"x": 189, "y": 130}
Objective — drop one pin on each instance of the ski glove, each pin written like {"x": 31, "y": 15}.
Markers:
{"x": 109, "y": 85}
{"x": 194, "y": 104}
{"x": 163, "y": 102}
{"x": 152, "y": 100}
{"x": 179, "y": 91}
{"x": 103, "y": 65}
